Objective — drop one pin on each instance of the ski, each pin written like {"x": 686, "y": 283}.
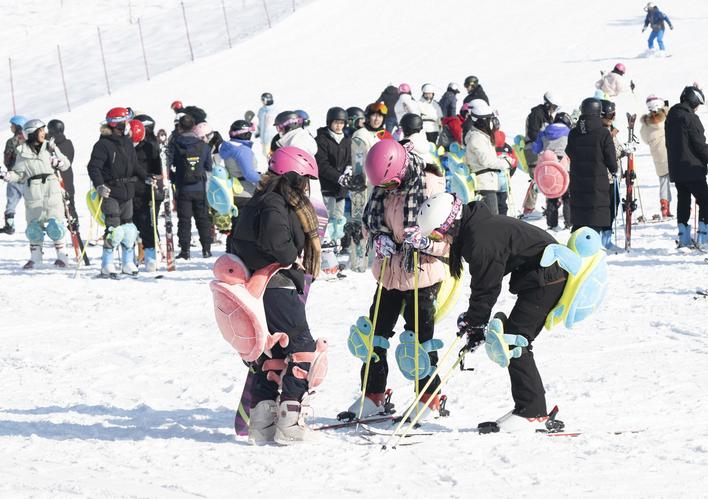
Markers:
{"x": 72, "y": 224}
{"x": 170, "y": 244}
{"x": 353, "y": 422}
{"x": 629, "y": 205}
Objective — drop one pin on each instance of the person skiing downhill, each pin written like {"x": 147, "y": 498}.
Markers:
{"x": 612, "y": 83}
{"x": 14, "y": 190}
{"x": 688, "y": 164}
{"x": 36, "y": 165}
{"x": 495, "y": 246}
{"x": 652, "y": 133}
{"x": 657, "y": 20}
{"x": 402, "y": 182}
{"x": 279, "y": 225}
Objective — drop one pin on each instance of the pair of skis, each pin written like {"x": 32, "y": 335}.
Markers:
{"x": 169, "y": 236}
{"x": 629, "y": 204}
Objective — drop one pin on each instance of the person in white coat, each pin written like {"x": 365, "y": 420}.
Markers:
{"x": 405, "y": 103}
{"x": 266, "y": 117}
{"x": 431, "y": 113}
{"x": 37, "y": 164}
{"x": 612, "y": 83}
{"x": 481, "y": 155}
{"x": 652, "y": 133}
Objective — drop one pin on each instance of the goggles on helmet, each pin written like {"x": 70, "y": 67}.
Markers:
{"x": 439, "y": 233}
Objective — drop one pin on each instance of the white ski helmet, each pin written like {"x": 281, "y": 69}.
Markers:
{"x": 453, "y": 86}
{"x": 550, "y": 99}
{"x": 428, "y": 89}
{"x": 654, "y": 103}
{"x": 32, "y": 126}
{"x": 479, "y": 108}
{"x": 438, "y": 213}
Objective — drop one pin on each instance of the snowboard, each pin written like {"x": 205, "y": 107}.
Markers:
{"x": 358, "y": 260}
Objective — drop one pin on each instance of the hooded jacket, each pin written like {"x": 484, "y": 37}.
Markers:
{"x": 685, "y": 144}
{"x": 332, "y": 158}
{"x": 652, "y": 132}
{"x": 114, "y": 163}
{"x": 448, "y": 104}
{"x": 189, "y": 140}
{"x": 554, "y": 138}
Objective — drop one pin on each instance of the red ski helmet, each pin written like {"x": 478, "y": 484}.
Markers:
{"x": 619, "y": 68}
{"x": 177, "y": 106}
{"x": 293, "y": 159}
{"x": 137, "y": 131}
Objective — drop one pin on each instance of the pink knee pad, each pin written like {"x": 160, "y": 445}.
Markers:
{"x": 238, "y": 306}
{"x": 314, "y": 376}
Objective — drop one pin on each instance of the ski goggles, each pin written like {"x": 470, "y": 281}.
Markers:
{"x": 242, "y": 131}
{"x": 439, "y": 233}
{"x": 390, "y": 185}
{"x": 281, "y": 127}
{"x": 378, "y": 107}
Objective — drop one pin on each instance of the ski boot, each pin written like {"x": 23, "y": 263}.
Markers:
{"x": 702, "y": 238}
{"x": 128, "y": 262}
{"x": 684, "y": 236}
{"x": 35, "y": 257}
{"x": 665, "y": 210}
{"x": 9, "y": 228}
{"x": 108, "y": 270}
{"x": 62, "y": 259}
{"x": 206, "y": 251}
{"x": 436, "y": 405}
{"x": 183, "y": 254}
{"x": 150, "y": 260}
{"x": 375, "y": 404}
{"x": 261, "y": 426}
{"x": 607, "y": 242}
{"x": 290, "y": 427}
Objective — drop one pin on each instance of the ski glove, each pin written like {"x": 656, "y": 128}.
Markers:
{"x": 384, "y": 246}
{"x": 415, "y": 239}
{"x": 474, "y": 334}
{"x": 103, "y": 190}
{"x": 346, "y": 177}
{"x": 56, "y": 163}
{"x": 151, "y": 180}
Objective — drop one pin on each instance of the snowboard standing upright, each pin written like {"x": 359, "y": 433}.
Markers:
{"x": 170, "y": 244}
{"x": 358, "y": 261}
{"x": 629, "y": 205}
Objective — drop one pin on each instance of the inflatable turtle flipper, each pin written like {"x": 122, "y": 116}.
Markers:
{"x": 358, "y": 341}
{"x": 407, "y": 351}
{"x": 497, "y": 344}
{"x": 566, "y": 258}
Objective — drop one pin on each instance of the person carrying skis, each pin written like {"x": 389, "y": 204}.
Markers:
{"x": 14, "y": 190}
{"x": 653, "y": 134}
{"x": 657, "y": 20}
{"x": 114, "y": 169}
{"x": 474, "y": 90}
{"x": 448, "y": 102}
{"x": 35, "y": 165}
{"x": 495, "y": 246}
{"x": 279, "y": 225}
{"x": 402, "y": 183}
{"x": 430, "y": 112}
{"x": 688, "y": 156}
{"x": 266, "y": 116}
{"x": 481, "y": 155}
{"x": 592, "y": 155}
{"x": 539, "y": 118}
{"x": 191, "y": 159}
{"x": 555, "y": 138}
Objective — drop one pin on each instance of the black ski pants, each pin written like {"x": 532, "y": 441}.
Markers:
{"x": 527, "y": 318}
{"x": 285, "y": 312}
{"x": 392, "y": 300}
{"x": 192, "y": 204}
{"x": 699, "y": 190}
{"x": 117, "y": 212}
{"x": 552, "y": 205}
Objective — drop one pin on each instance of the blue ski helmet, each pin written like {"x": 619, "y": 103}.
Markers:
{"x": 18, "y": 120}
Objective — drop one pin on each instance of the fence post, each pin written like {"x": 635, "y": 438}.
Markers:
{"x": 12, "y": 87}
{"x": 63, "y": 80}
{"x": 103, "y": 59}
{"x": 142, "y": 44}
{"x": 293, "y": 6}
{"x": 226, "y": 22}
{"x": 186, "y": 29}
{"x": 265, "y": 7}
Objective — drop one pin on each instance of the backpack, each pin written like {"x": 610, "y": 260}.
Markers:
{"x": 188, "y": 160}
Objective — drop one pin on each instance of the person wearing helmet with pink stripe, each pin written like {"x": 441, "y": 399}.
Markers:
{"x": 279, "y": 225}
{"x": 402, "y": 183}
{"x": 406, "y": 103}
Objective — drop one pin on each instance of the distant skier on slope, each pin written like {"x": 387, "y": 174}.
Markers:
{"x": 657, "y": 20}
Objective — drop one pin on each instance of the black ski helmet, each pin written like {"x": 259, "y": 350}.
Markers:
{"x": 286, "y": 121}
{"x": 591, "y": 107}
{"x": 693, "y": 96}
{"x": 147, "y": 121}
{"x": 267, "y": 98}
{"x": 55, "y": 126}
{"x": 354, "y": 113}
{"x": 608, "y": 109}
{"x": 241, "y": 129}
{"x": 411, "y": 123}
{"x": 336, "y": 113}
{"x": 563, "y": 118}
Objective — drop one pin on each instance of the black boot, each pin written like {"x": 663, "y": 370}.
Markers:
{"x": 9, "y": 228}
{"x": 206, "y": 252}
{"x": 183, "y": 254}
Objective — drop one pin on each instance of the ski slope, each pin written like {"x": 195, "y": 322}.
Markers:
{"x": 126, "y": 389}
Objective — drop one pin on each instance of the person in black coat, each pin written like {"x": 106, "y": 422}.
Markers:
{"x": 474, "y": 90}
{"x": 191, "y": 158}
{"x": 277, "y": 225}
{"x": 495, "y": 246}
{"x": 688, "y": 157}
{"x": 448, "y": 101}
{"x": 55, "y": 132}
{"x": 592, "y": 155}
{"x": 389, "y": 96}
{"x": 333, "y": 157}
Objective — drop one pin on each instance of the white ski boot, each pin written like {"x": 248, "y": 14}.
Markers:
{"x": 62, "y": 259}
{"x": 513, "y": 423}
{"x": 35, "y": 257}
{"x": 261, "y": 426}
{"x": 291, "y": 427}
{"x": 128, "y": 262}
{"x": 375, "y": 404}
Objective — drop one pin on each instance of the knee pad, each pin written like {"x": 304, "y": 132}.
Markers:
{"x": 130, "y": 235}
{"x": 34, "y": 232}
{"x": 314, "y": 375}
{"x": 114, "y": 236}
{"x": 55, "y": 230}
{"x": 358, "y": 341}
{"x": 406, "y": 353}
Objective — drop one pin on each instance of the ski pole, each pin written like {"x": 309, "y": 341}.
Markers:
{"x": 371, "y": 339}
{"x": 78, "y": 264}
{"x": 408, "y": 412}
{"x": 415, "y": 320}
{"x": 154, "y": 218}
{"x": 511, "y": 194}
{"x": 639, "y": 195}
{"x": 615, "y": 192}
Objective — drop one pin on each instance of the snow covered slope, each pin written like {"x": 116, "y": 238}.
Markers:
{"x": 127, "y": 389}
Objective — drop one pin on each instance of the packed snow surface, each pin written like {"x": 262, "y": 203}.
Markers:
{"x": 126, "y": 388}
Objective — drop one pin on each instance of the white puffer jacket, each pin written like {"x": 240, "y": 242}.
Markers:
{"x": 653, "y": 134}
{"x": 481, "y": 156}
{"x": 421, "y": 146}
{"x": 43, "y": 197}
{"x": 431, "y": 114}
{"x": 404, "y": 105}
{"x": 612, "y": 84}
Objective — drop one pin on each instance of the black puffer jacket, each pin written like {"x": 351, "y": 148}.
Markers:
{"x": 113, "y": 163}
{"x": 67, "y": 149}
{"x": 268, "y": 231}
{"x": 448, "y": 104}
{"x": 332, "y": 158}
{"x": 685, "y": 144}
{"x": 592, "y": 154}
{"x": 477, "y": 93}
{"x": 497, "y": 245}
{"x": 389, "y": 97}
{"x": 537, "y": 120}
{"x": 148, "y": 154}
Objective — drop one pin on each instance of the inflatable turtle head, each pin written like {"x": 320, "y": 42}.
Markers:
{"x": 585, "y": 242}
{"x": 219, "y": 171}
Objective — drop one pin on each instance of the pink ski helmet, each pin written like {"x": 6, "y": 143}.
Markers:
{"x": 619, "y": 68}
{"x": 404, "y": 88}
{"x": 293, "y": 159}
{"x": 386, "y": 164}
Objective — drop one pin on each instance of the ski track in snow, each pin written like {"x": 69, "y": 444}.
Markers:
{"x": 125, "y": 388}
